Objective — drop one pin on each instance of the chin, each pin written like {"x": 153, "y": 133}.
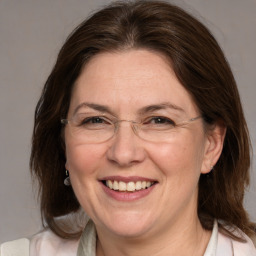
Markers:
{"x": 129, "y": 231}
{"x": 129, "y": 225}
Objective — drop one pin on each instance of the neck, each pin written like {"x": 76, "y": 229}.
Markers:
{"x": 188, "y": 239}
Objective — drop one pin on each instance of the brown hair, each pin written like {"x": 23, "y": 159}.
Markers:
{"x": 201, "y": 67}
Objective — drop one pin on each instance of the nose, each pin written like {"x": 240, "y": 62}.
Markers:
{"x": 126, "y": 148}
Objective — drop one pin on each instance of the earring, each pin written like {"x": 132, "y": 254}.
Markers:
{"x": 209, "y": 174}
{"x": 67, "y": 181}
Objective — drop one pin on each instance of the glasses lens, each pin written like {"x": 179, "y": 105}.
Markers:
{"x": 83, "y": 135}
{"x": 87, "y": 128}
{"x": 156, "y": 135}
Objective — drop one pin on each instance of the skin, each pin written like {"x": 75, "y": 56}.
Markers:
{"x": 165, "y": 222}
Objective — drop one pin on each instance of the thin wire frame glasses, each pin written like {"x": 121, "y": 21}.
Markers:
{"x": 99, "y": 129}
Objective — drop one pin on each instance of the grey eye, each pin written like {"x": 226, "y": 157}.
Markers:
{"x": 159, "y": 120}
{"x": 94, "y": 120}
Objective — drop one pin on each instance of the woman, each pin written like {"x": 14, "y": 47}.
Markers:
{"x": 141, "y": 118}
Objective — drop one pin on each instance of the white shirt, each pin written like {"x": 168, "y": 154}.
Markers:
{"x": 47, "y": 243}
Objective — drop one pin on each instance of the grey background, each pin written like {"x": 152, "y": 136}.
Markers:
{"x": 32, "y": 32}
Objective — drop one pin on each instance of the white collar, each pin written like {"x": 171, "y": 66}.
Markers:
{"x": 212, "y": 245}
{"x": 218, "y": 245}
{"x": 87, "y": 245}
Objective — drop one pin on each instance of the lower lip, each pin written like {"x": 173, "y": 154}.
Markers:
{"x": 127, "y": 196}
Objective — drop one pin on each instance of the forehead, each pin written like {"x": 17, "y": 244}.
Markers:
{"x": 126, "y": 81}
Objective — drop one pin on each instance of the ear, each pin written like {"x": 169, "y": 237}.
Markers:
{"x": 214, "y": 144}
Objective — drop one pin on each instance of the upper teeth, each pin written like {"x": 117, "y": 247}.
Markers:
{"x": 129, "y": 186}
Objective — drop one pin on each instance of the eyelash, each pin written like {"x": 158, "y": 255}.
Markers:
{"x": 161, "y": 118}
{"x": 91, "y": 119}
{"x": 148, "y": 120}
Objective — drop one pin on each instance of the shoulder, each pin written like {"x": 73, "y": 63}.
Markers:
{"x": 47, "y": 243}
{"x": 247, "y": 249}
{"x": 41, "y": 244}
{"x": 18, "y": 247}
{"x": 228, "y": 245}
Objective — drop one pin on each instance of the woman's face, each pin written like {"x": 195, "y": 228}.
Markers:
{"x": 132, "y": 85}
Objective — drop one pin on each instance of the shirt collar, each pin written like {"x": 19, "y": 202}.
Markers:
{"x": 212, "y": 245}
{"x": 87, "y": 245}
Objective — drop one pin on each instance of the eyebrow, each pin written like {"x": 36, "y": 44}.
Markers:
{"x": 144, "y": 110}
{"x": 164, "y": 105}
{"x": 98, "y": 107}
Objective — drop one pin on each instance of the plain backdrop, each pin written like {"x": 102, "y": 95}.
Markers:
{"x": 32, "y": 32}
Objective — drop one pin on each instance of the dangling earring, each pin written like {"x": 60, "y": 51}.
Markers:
{"x": 67, "y": 180}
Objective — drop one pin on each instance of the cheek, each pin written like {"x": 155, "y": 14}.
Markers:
{"x": 181, "y": 159}
{"x": 83, "y": 159}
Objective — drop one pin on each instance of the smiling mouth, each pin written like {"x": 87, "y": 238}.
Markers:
{"x": 130, "y": 186}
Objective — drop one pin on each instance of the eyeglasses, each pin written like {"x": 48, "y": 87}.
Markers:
{"x": 97, "y": 129}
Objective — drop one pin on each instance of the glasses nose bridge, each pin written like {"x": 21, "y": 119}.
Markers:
{"x": 133, "y": 124}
